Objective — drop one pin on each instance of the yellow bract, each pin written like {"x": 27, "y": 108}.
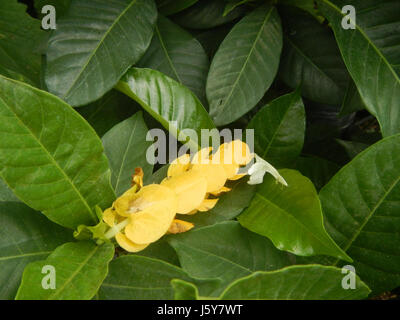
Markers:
{"x": 142, "y": 215}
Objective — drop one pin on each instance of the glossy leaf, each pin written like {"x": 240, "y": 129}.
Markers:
{"x": 362, "y": 204}
{"x": 94, "y": 44}
{"x": 19, "y": 38}
{"x": 6, "y": 193}
{"x": 184, "y": 290}
{"x": 318, "y": 69}
{"x": 61, "y": 6}
{"x": 25, "y": 236}
{"x": 279, "y": 129}
{"x": 50, "y": 157}
{"x": 114, "y": 107}
{"x": 125, "y": 146}
{"x": 352, "y": 101}
{"x": 245, "y": 65}
{"x": 208, "y": 252}
{"x": 80, "y": 268}
{"x": 371, "y": 53}
{"x": 168, "y": 7}
{"x": 318, "y": 170}
{"x": 134, "y": 277}
{"x": 312, "y": 282}
{"x": 166, "y": 100}
{"x": 290, "y": 216}
{"x": 228, "y": 207}
{"x": 206, "y": 14}
{"x": 176, "y": 53}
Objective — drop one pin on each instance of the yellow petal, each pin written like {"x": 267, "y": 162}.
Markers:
{"x": 133, "y": 202}
{"x": 179, "y": 165}
{"x": 128, "y": 245}
{"x": 151, "y": 224}
{"x": 214, "y": 174}
{"x": 190, "y": 188}
{"x": 202, "y": 156}
{"x": 226, "y": 160}
{"x": 179, "y": 226}
{"x": 237, "y": 176}
{"x": 207, "y": 204}
{"x": 241, "y": 152}
{"x": 222, "y": 190}
{"x": 109, "y": 216}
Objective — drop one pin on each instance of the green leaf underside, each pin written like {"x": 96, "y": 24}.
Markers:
{"x": 19, "y": 37}
{"x": 6, "y": 193}
{"x": 311, "y": 282}
{"x": 80, "y": 269}
{"x": 50, "y": 157}
{"x": 125, "y": 146}
{"x": 372, "y": 56}
{"x": 25, "y": 236}
{"x": 362, "y": 205}
{"x": 290, "y": 216}
{"x": 245, "y": 65}
{"x": 94, "y": 44}
{"x": 176, "y": 53}
{"x": 208, "y": 253}
{"x": 166, "y": 100}
{"x": 279, "y": 129}
{"x": 318, "y": 69}
{"x": 134, "y": 277}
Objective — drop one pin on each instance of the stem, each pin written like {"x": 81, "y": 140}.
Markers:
{"x": 116, "y": 228}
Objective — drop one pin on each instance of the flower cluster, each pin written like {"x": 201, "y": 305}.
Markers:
{"x": 143, "y": 214}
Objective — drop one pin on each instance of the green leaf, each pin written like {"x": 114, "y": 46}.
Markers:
{"x": 168, "y": 7}
{"x": 206, "y": 14}
{"x": 226, "y": 251}
{"x": 6, "y": 193}
{"x": 352, "y": 101}
{"x": 109, "y": 110}
{"x": 19, "y": 38}
{"x": 362, "y": 204}
{"x": 245, "y": 65}
{"x": 25, "y": 236}
{"x": 290, "y": 216}
{"x": 133, "y": 277}
{"x": 231, "y": 5}
{"x": 352, "y": 148}
{"x": 318, "y": 170}
{"x": 61, "y": 6}
{"x": 318, "y": 69}
{"x": 176, "y": 53}
{"x": 94, "y": 44}
{"x": 311, "y": 282}
{"x": 306, "y": 5}
{"x": 228, "y": 207}
{"x": 166, "y": 100}
{"x": 125, "y": 146}
{"x": 161, "y": 250}
{"x": 184, "y": 290}
{"x": 371, "y": 53}
{"x": 80, "y": 268}
{"x": 50, "y": 157}
{"x": 279, "y": 129}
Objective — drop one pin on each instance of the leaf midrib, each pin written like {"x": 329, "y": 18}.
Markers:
{"x": 52, "y": 160}
{"x": 84, "y": 262}
{"x": 370, "y": 215}
{"x": 90, "y": 57}
{"x": 377, "y": 50}
{"x": 222, "y": 107}
{"x": 24, "y": 255}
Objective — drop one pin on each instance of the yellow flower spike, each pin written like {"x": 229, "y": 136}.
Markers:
{"x": 137, "y": 177}
{"x": 232, "y": 155}
{"x": 179, "y": 165}
{"x": 214, "y": 173}
{"x": 150, "y": 224}
{"x": 109, "y": 216}
{"x": 190, "y": 188}
{"x": 207, "y": 204}
{"x": 128, "y": 245}
{"x": 179, "y": 226}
